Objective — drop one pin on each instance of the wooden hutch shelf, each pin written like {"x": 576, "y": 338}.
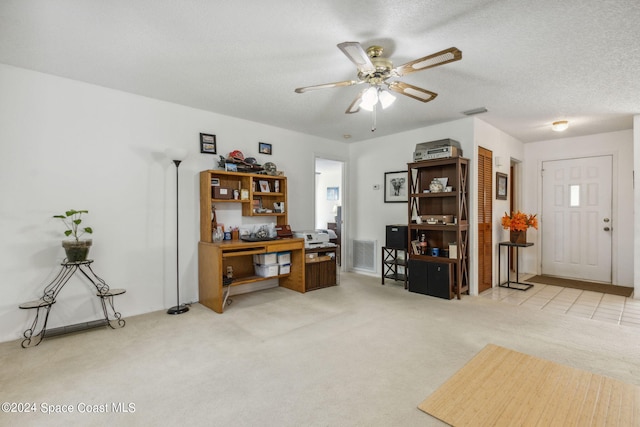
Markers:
{"x": 445, "y": 276}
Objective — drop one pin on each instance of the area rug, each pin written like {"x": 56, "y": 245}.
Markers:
{"x": 502, "y": 387}
{"x": 579, "y": 284}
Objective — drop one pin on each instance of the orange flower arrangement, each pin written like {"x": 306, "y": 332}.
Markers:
{"x": 519, "y": 221}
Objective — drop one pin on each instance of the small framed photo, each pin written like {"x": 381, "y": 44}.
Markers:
{"x": 215, "y": 182}
{"x": 231, "y": 167}
{"x": 396, "y": 187}
{"x": 333, "y": 193}
{"x": 207, "y": 143}
{"x": 264, "y": 148}
{"x": 501, "y": 186}
{"x": 264, "y": 187}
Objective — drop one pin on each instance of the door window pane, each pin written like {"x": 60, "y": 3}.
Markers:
{"x": 574, "y": 195}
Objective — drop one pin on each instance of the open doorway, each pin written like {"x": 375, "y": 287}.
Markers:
{"x": 329, "y": 213}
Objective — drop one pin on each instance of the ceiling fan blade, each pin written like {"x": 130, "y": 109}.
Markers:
{"x": 358, "y": 56}
{"x": 354, "y": 107}
{"x": 412, "y": 91}
{"x": 326, "y": 86}
{"x": 439, "y": 58}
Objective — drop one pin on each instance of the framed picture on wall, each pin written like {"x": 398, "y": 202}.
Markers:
{"x": 333, "y": 193}
{"x": 501, "y": 186}
{"x": 396, "y": 186}
{"x": 207, "y": 143}
{"x": 264, "y": 148}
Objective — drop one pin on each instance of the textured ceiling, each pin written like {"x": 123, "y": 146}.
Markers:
{"x": 529, "y": 63}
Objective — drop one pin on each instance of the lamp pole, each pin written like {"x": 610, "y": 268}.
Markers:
{"x": 178, "y": 309}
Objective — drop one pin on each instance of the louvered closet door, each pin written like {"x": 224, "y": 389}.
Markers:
{"x": 485, "y": 218}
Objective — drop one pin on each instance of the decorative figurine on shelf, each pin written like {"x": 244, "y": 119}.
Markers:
{"x": 436, "y": 186}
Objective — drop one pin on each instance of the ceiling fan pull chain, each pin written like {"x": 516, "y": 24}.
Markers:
{"x": 373, "y": 126}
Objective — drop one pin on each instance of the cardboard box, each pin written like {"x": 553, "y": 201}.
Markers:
{"x": 266, "y": 259}
{"x": 284, "y": 258}
{"x": 222, "y": 193}
{"x": 266, "y": 270}
{"x": 320, "y": 258}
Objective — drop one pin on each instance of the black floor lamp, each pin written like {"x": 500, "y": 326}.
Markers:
{"x": 177, "y": 156}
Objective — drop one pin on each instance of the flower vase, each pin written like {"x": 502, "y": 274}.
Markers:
{"x": 519, "y": 237}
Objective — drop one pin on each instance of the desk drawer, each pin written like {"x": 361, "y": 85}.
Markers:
{"x": 286, "y": 246}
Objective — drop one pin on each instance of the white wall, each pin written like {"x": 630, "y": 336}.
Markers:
{"x": 507, "y": 148}
{"x": 66, "y": 144}
{"x": 620, "y": 146}
{"x": 324, "y": 208}
{"x": 369, "y": 160}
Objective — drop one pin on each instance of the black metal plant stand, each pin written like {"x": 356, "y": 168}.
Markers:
{"x": 393, "y": 266}
{"x": 51, "y": 291}
{"x": 520, "y": 286}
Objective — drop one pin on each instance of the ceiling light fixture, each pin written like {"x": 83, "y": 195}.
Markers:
{"x": 386, "y": 98}
{"x": 373, "y": 95}
{"x": 560, "y": 126}
{"x": 369, "y": 98}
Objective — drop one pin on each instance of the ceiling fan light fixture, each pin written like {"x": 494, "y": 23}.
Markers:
{"x": 560, "y": 125}
{"x": 386, "y": 98}
{"x": 369, "y": 98}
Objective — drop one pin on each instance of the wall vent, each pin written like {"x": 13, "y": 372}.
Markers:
{"x": 364, "y": 255}
{"x": 475, "y": 111}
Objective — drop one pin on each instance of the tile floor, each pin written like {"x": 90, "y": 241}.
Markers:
{"x": 573, "y": 302}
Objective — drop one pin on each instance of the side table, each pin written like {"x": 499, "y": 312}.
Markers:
{"x": 394, "y": 267}
{"x": 519, "y": 285}
{"x": 52, "y": 290}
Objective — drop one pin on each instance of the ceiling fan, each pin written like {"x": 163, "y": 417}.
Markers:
{"x": 378, "y": 72}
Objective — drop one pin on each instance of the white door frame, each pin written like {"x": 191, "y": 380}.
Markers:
{"x": 345, "y": 204}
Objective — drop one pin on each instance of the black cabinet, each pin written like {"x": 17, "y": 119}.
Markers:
{"x": 431, "y": 278}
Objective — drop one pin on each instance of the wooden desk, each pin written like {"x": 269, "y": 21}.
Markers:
{"x": 214, "y": 258}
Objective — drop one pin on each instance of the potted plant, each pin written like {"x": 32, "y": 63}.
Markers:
{"x": 518, "y": 223}
{"x": 75, "y": 249}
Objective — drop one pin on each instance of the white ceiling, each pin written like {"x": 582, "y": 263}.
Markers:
{"x": 529, "y": 63}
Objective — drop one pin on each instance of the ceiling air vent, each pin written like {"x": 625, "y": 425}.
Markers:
{"x": 475, "y": 111}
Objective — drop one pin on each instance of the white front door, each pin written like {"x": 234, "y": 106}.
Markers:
{"x": 576, "y": 218}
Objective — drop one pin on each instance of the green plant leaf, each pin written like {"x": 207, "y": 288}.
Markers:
{"x": 67, "y": 233}
{"x": 88, "y": 230}
{"x": 71, "y": 212}
{"x": 60, "y": 216}
{"x": 77, "y": 221}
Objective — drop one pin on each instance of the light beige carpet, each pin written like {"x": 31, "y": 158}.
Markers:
{"x": 580, "y": 284}
{"x": 501, "y": 387}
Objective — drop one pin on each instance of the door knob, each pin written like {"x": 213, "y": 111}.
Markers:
{"x": 607, "y": 229}
{"x": 606, "y": 220}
